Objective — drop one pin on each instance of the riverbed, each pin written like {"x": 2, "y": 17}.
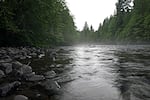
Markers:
{"x": 108, "y": 72}
{"x": 81, "y": 72}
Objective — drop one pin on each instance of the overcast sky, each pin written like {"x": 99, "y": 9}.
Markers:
{"x": 92, "y": 11}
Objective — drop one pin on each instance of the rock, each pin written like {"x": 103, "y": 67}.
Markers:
{"x": 25, "y": 69}
{"x": 6, "y": 57}
{"x": 59, "y": 70}
{"x": 8, "y": 88}
{"x": 6, "y": 67}
{"x": 18, "y": 56}
{"x": 50, "y": 74}
{"x": 20, "y": 97}
{"x": 1, "y": 74}
{"x": 29, "y": 57}
{"x": 41, "y": 55}
{"x": 38, "y": 95}
{"x": 23, "y": 57}
{"x": 33, "y": 54}
{"x": 63, "y": 79}
{"x": 52, "y": 66}
{"x": 17, "y": 65}
{"x": 29, "y": 75}
{"x": 35, "y": 78}
{"x": 61, "y": 50}
{"x": 59, "y": 65}
{"x": 22, "y": 71}
{"x": 3, "y": 51}
{"x": 5, "y": 60}
{"x": 51, "y": 87}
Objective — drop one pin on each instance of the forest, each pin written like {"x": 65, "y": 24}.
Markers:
{"x": 129, "y": 25}
{"x": 49, "y": 23}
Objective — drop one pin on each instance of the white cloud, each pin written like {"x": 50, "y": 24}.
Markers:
{"x": 92, "y": 11}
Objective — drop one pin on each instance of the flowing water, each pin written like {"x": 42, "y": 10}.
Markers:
{"x": 108, "y": 72}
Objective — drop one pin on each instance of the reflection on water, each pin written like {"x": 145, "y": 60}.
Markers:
{"x": 108, "y": 72}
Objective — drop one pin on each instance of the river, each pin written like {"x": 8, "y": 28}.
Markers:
{"x": 108, "y": 72}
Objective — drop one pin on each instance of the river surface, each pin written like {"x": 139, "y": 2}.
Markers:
{"x": 108, "y": 72}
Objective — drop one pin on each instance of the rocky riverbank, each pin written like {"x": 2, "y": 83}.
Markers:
{"x": 20, "y": 79}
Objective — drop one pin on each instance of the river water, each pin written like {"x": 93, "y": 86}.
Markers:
{"x": 108, "y": 72}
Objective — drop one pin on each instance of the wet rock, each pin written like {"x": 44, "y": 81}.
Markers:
{"x": 38, "y": 95}
{"x": 23, "y": 57}
{"x": 17, "y": 65}
{"x": 5, "y": 57}
{"x": 50, "y": 74}
{"x": 3, "y": 51}
{"x": 59, "y": 70}
{"x": 26, "y": 76}
{"x": 51, "y": 87}
{"x": 5, "y": 60}
{"x": 20, "y": 97}
{"x": 41, "y": 55}
{"x": 59, "y": 65}
{"x": 61, "y": 50}
{"x": 35, "y": 78}
{"x": 17, "y": 56}
{"x": 1, "y": 74}
{"x": 25, "y": 69}
{"x": 8, "y": 88}
{"x": 52, "y": 66}
{"x": 33, "y": 54}
{"x": 6, "y": 67}
{"x": 63, "y": 79}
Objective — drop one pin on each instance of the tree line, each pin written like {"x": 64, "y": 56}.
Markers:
{"x": 130, "y": 24}
{"x": 49, "y": 23}
{"x": 35, "y": 23}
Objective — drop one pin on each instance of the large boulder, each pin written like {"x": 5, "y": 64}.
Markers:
{"x": 9, "y": 88}
{"x": 50, "y": 87}
{"x": 23, "y": 71}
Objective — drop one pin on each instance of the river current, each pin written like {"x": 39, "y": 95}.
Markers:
{"x": 108, "y": 72}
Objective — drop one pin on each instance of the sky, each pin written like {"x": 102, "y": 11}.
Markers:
{"x": 91, "y": 11}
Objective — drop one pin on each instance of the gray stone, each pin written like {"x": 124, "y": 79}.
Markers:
{"x": 25, "y": 69}
{"x": 33, "y": 54}
{"x": 50, "y": 74}
{"x": 41, "y": 55}
{"x": 5, "y": 60}
{"x": 17, "y": 65}
{"x": 59, "y": 65}
{"x": 6, "y": 67}
{"x": 23, "y": 57}
{"x": 29, "y": 75}
{"x": 52, "y": 66}
{"x": 63, "y": 79}
{"x": 35, "y": 78}
{"x": 52, "y": 87}
{"x": 20, "y": 97}
{"x": 1, "y": 74}
{"x": 8, "y": 88}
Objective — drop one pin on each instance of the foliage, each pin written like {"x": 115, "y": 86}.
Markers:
{"x": 35, "y": 22}
{"x": 128, "y": 25}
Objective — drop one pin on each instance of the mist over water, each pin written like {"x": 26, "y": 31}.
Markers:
{"x": 108, "y": 72}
